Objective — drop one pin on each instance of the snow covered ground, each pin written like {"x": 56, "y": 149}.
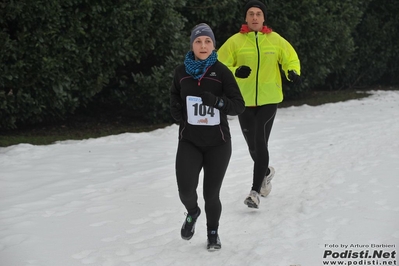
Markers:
{"x": 113, "y": 201}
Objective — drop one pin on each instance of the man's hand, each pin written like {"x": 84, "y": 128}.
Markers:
{"x": 243, "y": 72}
{"x": 294, "y": 77}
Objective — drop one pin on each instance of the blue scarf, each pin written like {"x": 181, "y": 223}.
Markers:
{"x": 197, "y": 68}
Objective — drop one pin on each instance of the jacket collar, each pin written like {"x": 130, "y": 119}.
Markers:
{"x": 246, "y": 29}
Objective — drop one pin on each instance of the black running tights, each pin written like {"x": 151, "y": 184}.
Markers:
{"x": 256, "y": 124}
{"x": 190, "y": 159}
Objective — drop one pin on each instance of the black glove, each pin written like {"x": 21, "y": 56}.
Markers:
{"x": 294, "y": 77}
{"x": 211, "y": 100}
{"x": 176, "y": 112}
{"x": 243, "y": 72}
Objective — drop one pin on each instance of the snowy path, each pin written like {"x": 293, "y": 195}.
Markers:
{"x": 113, "y": 201}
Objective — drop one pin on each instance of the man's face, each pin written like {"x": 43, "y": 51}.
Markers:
{"x": 255, "y": 19}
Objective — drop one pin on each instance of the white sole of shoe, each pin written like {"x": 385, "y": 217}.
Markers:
{"x": 266, "y": 187}
{"x": 214, "y": 248}
{"x": 264, "y": 192}
{"x": 250, "y": 203}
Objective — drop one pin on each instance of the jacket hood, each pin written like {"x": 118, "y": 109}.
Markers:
{"x": 246, "y": 29}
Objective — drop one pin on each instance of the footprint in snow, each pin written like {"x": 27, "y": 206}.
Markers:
{"x": 12, "y": 240}
{"x": 100, "y": 223}
{"x": 111, "y": 239}
{"x": 82, "y": 254}
{"x": 100, "y": 209}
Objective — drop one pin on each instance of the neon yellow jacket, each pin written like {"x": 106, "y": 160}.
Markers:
{"x": 263, "y": 52}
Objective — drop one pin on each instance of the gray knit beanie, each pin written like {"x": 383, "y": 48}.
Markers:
{"x": 202, "y": 29}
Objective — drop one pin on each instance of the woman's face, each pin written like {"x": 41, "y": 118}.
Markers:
{"x": 202, "y": 47}
{"x": 255, "y": 19}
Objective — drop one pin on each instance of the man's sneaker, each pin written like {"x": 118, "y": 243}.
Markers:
{"x": 252, "y": 201}
{"x": 266, "y": 187}
{"x": 188, "y": 228}
{"x": 213, "y": 241}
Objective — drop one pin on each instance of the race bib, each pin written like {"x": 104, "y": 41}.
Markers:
{"x": 200, "y": 114}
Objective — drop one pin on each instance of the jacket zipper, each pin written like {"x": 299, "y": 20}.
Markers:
{"x": 257, "y": 69}
{"x": 199, "y": 80}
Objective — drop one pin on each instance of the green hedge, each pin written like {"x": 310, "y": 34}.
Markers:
{"x": 376, "y": 58}
{"x": 321, "y": 31}
{"x": 141, "y": 86}
{"x": 58, "y": 57}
